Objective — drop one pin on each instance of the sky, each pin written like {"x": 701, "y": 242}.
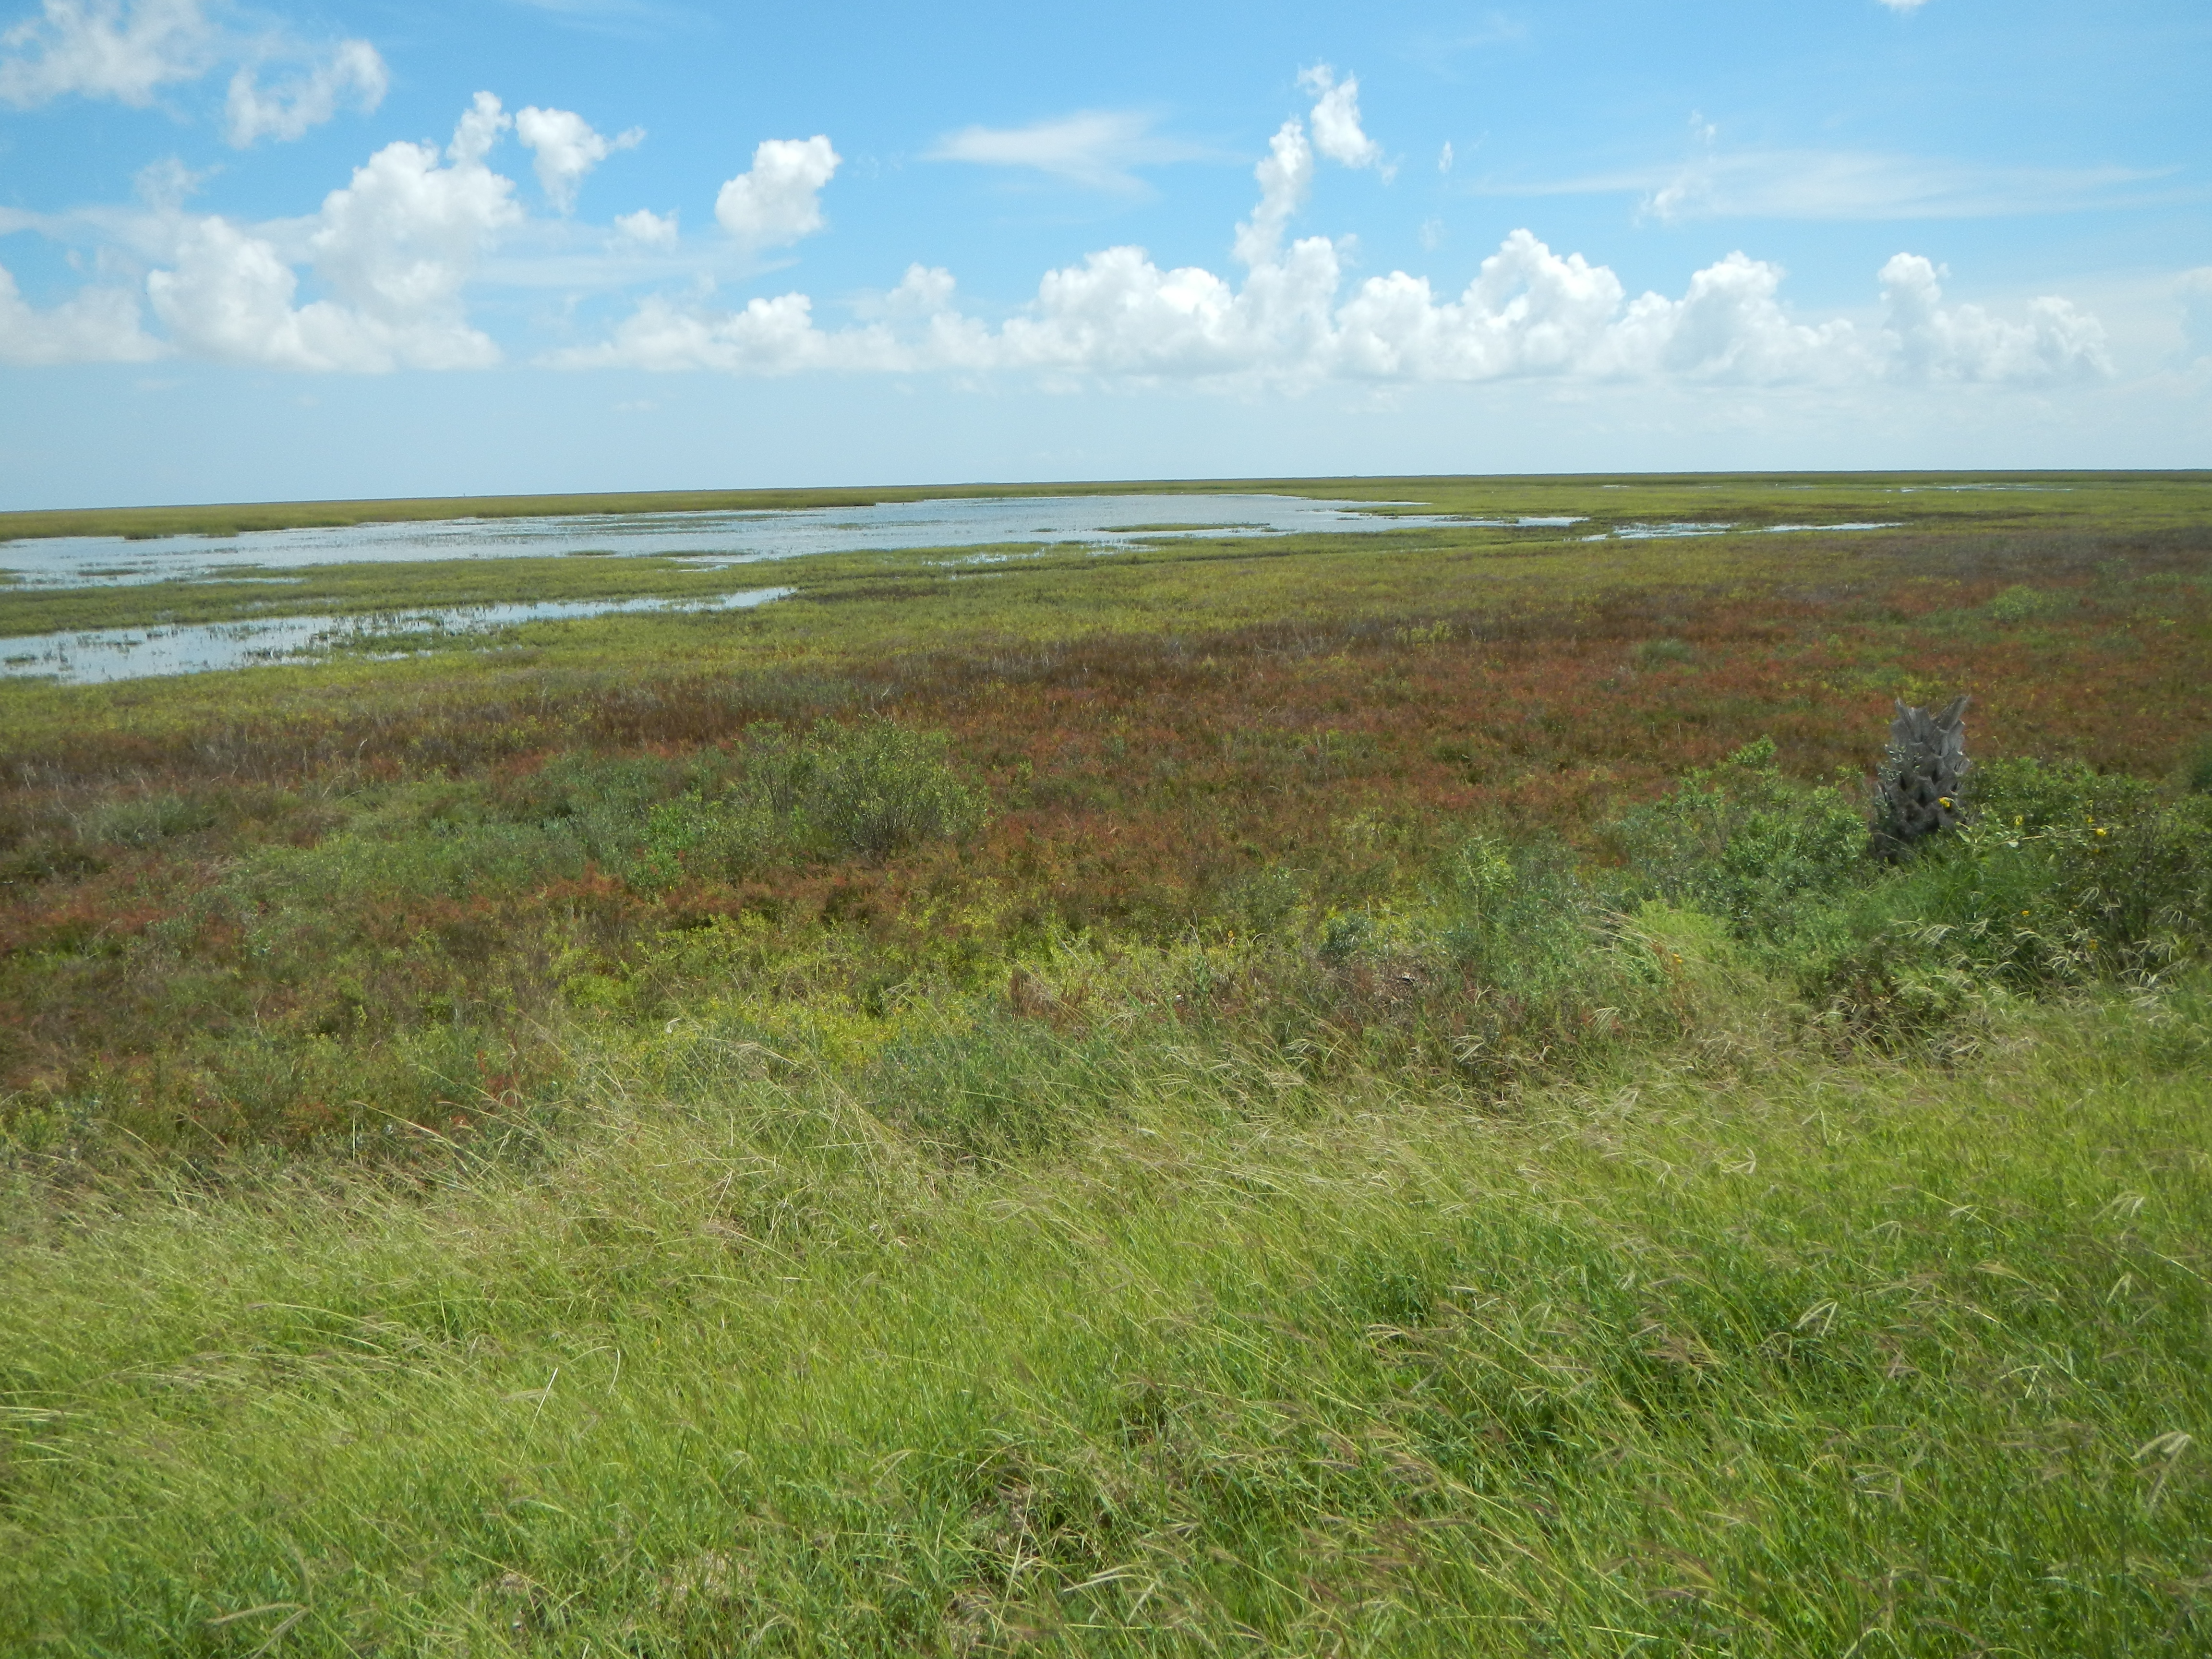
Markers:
{"x": 523, "y": 245}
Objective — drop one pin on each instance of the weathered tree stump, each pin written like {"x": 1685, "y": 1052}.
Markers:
{"x": 1921, "y": 790}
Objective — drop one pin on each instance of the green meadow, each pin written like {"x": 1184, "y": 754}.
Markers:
{"x": 1327, "y": 1095}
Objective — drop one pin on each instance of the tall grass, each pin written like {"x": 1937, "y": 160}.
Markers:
{"x": 1735, "y": 1353}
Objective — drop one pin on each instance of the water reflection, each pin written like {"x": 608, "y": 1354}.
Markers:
{"x": 96, "y": 655}
{"x": 713, "y": 538}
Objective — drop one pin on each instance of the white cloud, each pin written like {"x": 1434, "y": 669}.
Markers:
{"x": 648, "y": 229}
{"x": 165, "y": 185}
{"x": 1529, "y": 312}
{"x": 1285, "y": 177}
{"x": 1856, "y": 186}
{"x": 2056, "y": 343}
{"x": 566, "y": 149}
{"x": 352, "y": 73}
{"x": 478, "y": 130}
{"x": 768, "y": 336}
{"x": 1905, "y": 5}
{"x": 1731, "y": 326}
{"x": 96, "y": 325}
{"x": 1444, "y": 157}
{"x": 395, "y": 245}
{"x": 1336, "y": 131}
{"x": 119, "y": 49}
{"x": 919, "y": 329}
{"x": 2194, "y": 291}
{"x": 778, "y": 201}
{"x": 1093, "y": 147}
{"x": 394, "y": 250}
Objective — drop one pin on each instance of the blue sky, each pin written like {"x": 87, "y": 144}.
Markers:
{"x": 392, "y": 249}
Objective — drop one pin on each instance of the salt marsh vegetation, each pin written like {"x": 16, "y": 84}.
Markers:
{"x": 1330, "y": 1094}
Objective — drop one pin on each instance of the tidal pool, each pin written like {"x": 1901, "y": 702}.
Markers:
{"x": 714, "y": 539}
{"x": 94, "y": 655}
{"x": 1668, "y": 532}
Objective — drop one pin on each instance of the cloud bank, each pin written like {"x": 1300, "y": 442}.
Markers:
{"x": 97, "y": 326}
{"x": 395, "y": 250}
{"x": 1293, "y": 322}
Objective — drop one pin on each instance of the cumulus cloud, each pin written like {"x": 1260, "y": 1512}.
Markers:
{"x": 351, "y": 73}
{"x": 2056, "y": 343}
{"x": 777, "y": 201}
{"x": 919, "y": 328}
{"x": 1093, "y": 147}
{"x": 119, "y": 49}
{"x": 1336, "y": 130}
{"x": 1528, "y": 312}
{"x": 1285, "y": 177}
{"x": 566, "y": 148}
{"x": 395, "y": 245}
{"x": 95, "y": 326}
{"x": 647, "y": 228}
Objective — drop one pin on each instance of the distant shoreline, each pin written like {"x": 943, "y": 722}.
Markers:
{"x": 236, "y": 517}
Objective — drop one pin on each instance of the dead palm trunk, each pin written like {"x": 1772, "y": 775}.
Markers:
{"x": 1920, "y": 792}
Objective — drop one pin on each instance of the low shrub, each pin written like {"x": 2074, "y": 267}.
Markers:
{"x": 2065, "y": 876}
{"x": 870, "y": 789}
{"x": 2196, "y": 770}
{"x": 1742, "y": 842}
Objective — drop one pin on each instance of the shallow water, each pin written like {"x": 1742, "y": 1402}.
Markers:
{"x": 1668, "y": 532}
{"x": 95, "y": 655}
{"x": 714, "y": 539}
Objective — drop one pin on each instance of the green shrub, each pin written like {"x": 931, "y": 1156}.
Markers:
{"x": 2066, "y": 876}
{"x": 1741, "y": 841}
{"x": 2021, "y": 603}
{"x": 870, "y": 789}
{"x": 1552, "y": 977}
{"x": 2196, "y": 770}
{"x": 140, "y": 820}
{"x": 876, "y": 787}
{"x": 2035, "y": 795}
{"x": 1258, "y": 903}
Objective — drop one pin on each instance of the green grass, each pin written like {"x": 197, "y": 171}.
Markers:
{"x": 1730, "y": 1351}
